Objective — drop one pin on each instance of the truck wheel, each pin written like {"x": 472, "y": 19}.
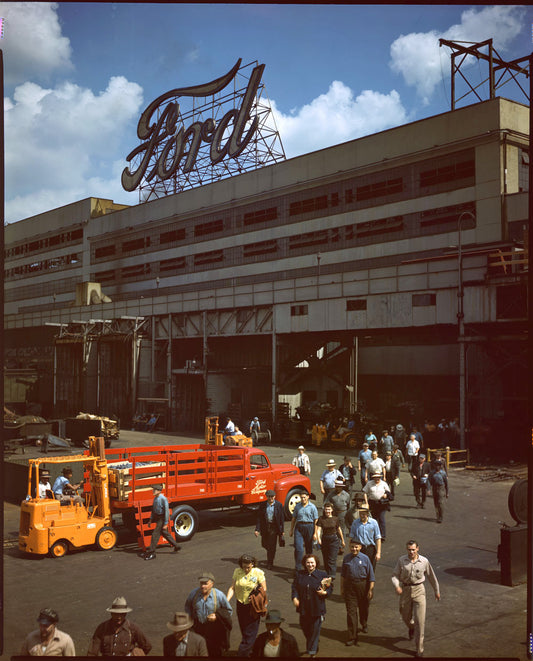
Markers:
{"x": 59, "y": 549}
{"x": 255, "y": 439}
{"x": 350, "y": 440}
{"x": 106, "y": 538}
{"x": 293, "y": 498}
{"x": 184, "y": 522}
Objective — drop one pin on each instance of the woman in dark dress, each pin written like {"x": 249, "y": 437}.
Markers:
{"x": 309, "y": 591}
{"x": 330, "y": 538}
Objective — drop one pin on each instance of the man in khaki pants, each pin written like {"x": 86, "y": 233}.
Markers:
{"x": 408, "y": 579}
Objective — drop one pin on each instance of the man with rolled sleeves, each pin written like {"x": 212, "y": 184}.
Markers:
{"x": 160, "y": 516}
{"x": 408, "y": 579}
{"x": 303, "y": 527}
{"x": 328, "y": 477}
{"x": 357, "y": 587}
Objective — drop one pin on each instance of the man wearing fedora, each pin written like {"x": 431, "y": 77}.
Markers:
{"x": 211, "y": 613}
{"x": 275, "y": 642}
{"x": 183, "y": 641}
{"x": 328, "y": 477}
{"x": 118, "y": 636}
{"x": 160, "y": 516}
{"x": 270, "y": 525}
{"x": 47, "y": 640}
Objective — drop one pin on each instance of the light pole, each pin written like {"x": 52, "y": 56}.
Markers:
{"x": 461, "y": 329}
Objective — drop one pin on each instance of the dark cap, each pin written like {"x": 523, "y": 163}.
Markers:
{"x": 206, "y": 576}
{"x": 270, "y": 492}
{"x": 48, "y": 616}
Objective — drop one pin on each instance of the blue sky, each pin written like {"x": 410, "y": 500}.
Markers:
{"x": 78, "y": 76}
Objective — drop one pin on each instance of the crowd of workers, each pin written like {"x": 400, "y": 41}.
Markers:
{"x": 352, "y": 524}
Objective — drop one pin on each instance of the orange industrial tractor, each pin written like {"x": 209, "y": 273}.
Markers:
{"x": 49, "y": 526}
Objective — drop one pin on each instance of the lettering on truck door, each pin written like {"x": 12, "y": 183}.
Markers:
{"x": 259, "y": 478}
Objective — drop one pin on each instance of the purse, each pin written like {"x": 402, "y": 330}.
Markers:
{"x": 259, "y": 601}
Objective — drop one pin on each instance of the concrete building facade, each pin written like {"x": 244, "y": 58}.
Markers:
{"x": 383, "y": 270}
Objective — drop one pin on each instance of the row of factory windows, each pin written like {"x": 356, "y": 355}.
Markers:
{"x": 426, "y": 299}
{"x": 35, "y": 245}
{"x": 407, "y": 182}
{"x": 390, "y": 228}
{"x": 394, "y": 228}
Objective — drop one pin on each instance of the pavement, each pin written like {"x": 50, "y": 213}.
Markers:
{"x": 477, "y": 617}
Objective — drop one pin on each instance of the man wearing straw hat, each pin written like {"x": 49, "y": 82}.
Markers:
{"x": 328, "y": 477}
{"x": 183, "y": 641}
{"x": 118, "y": 636}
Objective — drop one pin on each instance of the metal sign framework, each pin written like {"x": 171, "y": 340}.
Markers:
{"x": 264, "y": 148}
{"x": 500, "y": 71}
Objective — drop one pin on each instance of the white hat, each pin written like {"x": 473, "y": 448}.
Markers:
{"x": 331, "y": 462}
{"x": 301, "y": 447}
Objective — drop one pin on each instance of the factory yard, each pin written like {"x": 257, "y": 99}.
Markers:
{"x": 477, "y": 617}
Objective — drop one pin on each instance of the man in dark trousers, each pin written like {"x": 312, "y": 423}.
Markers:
{"x": 357, "y": 587}
{"x": 439, "y": 487}
{"x": 419, "y": 474}
{"x": 160, "y": 516}
{"x": 270, "y": 525}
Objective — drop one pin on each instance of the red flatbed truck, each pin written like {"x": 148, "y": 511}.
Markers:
{"x": 195, "y": 477}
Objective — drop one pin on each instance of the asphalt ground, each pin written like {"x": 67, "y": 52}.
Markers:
{"x": 477, "y": 617}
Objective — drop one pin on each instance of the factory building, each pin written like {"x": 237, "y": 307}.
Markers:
{"x": 382, "y": 271}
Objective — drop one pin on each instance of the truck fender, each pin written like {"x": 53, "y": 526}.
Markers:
{"x": 184, "y": 522}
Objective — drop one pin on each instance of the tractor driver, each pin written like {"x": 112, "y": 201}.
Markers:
{"x": 62, "y": 487}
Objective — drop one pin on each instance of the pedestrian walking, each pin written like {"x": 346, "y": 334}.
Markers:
{"x": 118, "y": 636}
{"x": 408, "y": 578}
{"x": 366, "y": 531}
{"x": 419, "y": 474}
{"x": 349, "y": 472}
{"x": 376, "y": 465}
{"x": 255, "y": 430}
{"x": 48, "y": 640}
{"x": 379, "y": 497}
{"x": 357, "y": 587}
{"x": 371, "y": 439}
{"x": 182, "y": 641}
{"x": 275, "y": 642}
{"x": 270, "y": 525}
{"x": 310, "y": 589}
{"x": 301, "y": 461}
{"x": 303, "y": 527}
{"x": 364, "y": 456}
{"x": 160, "y": 516}
{"x": 211, "y": 613}
{"x": 340, "y": 499}
{"x": 412, "y": 448}
{"x": 328, "y": 477}
{"x": 385, "y": 444}
{"x": 439, "y": 487}
{"x": 246, "y": 579}
{"x": 330, "y": 538}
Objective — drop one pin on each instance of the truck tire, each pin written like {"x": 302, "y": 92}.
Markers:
{"x": 106, "y": 538}
{"x": 59, "y": 549}
{"x": 350, "y": 441}
{"x": 184, "y": 522}
{"x": 293, "y": 498}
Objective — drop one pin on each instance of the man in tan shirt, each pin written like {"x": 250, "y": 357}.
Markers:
{"x": 408, "y": 579}
{"x": 47, "y": 640}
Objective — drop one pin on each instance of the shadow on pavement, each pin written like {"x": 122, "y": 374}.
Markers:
{"x": 476, "y": 574}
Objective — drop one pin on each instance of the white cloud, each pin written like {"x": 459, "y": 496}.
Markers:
{"x": 418, "y": 58}
{"x": 61, "y": 143}
{"x": 336, "y": 117}
{"x": 33, "y": 45}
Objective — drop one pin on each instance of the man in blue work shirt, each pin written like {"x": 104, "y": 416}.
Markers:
{"x": 211, "y": 612}
{"x": 303, "y": 526}
{"x": 328, "y": 477}
{"x": 364, "y": 456}
{"x": 160, "y": 516}
{"x": 357, "y": 587}
{"x": 366, "y": 531}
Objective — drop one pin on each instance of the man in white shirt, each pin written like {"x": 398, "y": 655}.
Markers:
{"x": 301, "y": 461}
{"x": 412, "y": 447}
